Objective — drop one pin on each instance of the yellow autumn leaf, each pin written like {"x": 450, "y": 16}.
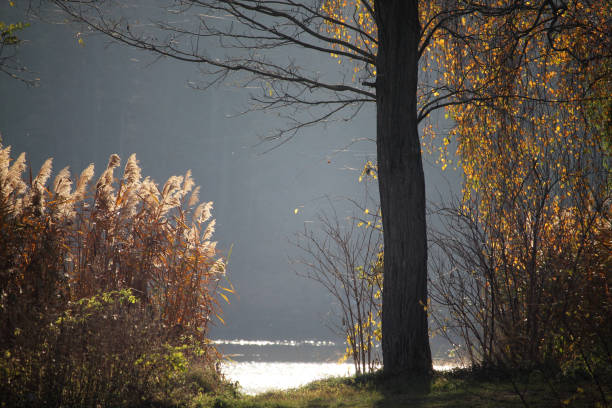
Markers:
{"x": 220, "y": 318}
{"x": 224, "y": 297}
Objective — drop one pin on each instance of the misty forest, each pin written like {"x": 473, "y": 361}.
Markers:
{"x": 412, "y": 203}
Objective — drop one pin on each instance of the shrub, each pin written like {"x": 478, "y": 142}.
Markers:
{"x": 105, "y": 350}
{"x": 345, "y": 257}
{"x": 519, "y": 304}
{"x": 103, "y": 291}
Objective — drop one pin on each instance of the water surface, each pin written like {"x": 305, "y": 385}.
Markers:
{"x": 265, "y": 365}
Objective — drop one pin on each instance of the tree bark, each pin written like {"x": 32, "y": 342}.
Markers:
{"x": 405, "y": 337}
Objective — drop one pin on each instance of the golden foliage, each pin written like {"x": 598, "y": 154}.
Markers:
{"x": 527, "y": 86}
{"x": 536, "y": 167}
{"x": 123, "y": 234}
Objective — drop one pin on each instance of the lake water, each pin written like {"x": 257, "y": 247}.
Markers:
{"x": 264, "y": 365}
{"x": 255, "y": 377}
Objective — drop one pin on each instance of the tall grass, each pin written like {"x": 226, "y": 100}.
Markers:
{"x": 62, "y": 243}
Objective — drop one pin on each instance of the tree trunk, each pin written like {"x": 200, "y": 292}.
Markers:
{"x": 405, "y": 338}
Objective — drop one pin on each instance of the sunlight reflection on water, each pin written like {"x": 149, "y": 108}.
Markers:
{"x": 255, "y": 377}
{"x": 265, "y": 365}
{"x": 292, "y": 343}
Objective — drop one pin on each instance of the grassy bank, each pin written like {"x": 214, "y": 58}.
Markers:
{"x": 453, "y": 389}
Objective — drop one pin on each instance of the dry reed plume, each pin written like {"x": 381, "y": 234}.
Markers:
{"x": 121, "y": 233}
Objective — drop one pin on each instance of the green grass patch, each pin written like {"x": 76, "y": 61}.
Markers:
{"x": 462, "y": 388}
